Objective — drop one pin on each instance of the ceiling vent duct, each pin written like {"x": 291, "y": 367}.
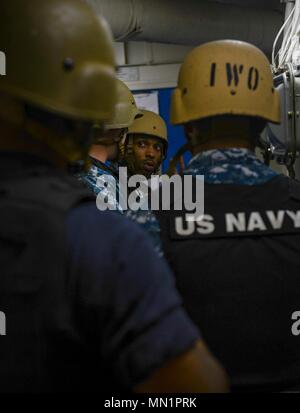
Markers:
{"x": 188, "y": 22}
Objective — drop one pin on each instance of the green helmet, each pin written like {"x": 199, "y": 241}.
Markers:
{"x": 126, "y": 110}
{"x": 59, "y": 57}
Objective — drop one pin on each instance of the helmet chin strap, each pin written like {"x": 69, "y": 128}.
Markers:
{"x": 178, "y": 160}
{"x": 99, "y": 139}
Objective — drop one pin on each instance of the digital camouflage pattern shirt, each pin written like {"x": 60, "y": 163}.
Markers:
{"x": 100, "y": 180}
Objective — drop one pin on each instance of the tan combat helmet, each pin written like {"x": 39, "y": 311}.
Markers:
{"x": 125, "y": 110}
{"x": 225, "y": 77}
{"x": 60, "y": 58}
{"x": 149, "y": 124}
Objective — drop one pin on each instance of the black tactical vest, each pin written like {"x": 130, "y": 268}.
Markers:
{"x": 238, "y": 270}
{"x": 38, "y": 340}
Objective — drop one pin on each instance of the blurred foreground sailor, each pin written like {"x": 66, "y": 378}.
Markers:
{"x": 80, "y": 314}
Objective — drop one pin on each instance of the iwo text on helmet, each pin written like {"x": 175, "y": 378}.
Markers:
{"x": 236, "y": 73}
{"x": 2, "y": 64}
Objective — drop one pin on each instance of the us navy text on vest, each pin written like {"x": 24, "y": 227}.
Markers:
{"x": 237, "y": 223}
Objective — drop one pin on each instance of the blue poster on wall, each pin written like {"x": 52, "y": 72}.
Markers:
{"x": 175, "y": 133}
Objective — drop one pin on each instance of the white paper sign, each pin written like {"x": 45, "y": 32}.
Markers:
{"x": 147, "y": 101}
{"x": 128, "y": 74}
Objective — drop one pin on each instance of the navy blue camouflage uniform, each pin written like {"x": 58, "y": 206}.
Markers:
{"x": 101, "y": 180}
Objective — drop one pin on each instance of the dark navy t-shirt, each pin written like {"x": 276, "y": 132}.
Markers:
{"x": 129, "y": 293}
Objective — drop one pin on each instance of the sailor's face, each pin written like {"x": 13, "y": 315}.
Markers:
{"x": 147, "y": 153}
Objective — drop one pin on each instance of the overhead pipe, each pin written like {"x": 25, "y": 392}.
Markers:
{"x": 189, "y": 22}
